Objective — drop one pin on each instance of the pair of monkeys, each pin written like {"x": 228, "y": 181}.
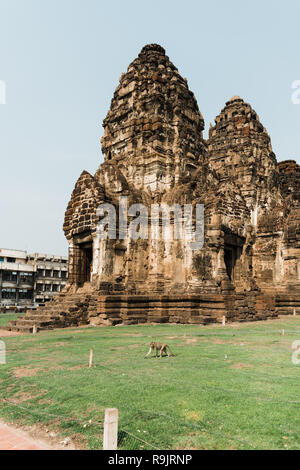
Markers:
{"x": 160, "y": 348}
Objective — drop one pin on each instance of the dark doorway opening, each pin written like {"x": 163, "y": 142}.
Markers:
{"x": 85, "y": 265}
{"x": 233, "y": 248}
{"x": 88, "y": 263}
{"x": 229, "y": 258}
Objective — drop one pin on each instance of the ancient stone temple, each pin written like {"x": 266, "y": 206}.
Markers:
{"x": 155, "y": 153}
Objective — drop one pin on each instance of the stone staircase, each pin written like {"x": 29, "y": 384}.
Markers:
{"x": 67, "y": 310}
{"x": 288, "y": 302}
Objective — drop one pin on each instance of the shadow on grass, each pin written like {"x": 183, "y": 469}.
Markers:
{"x": 122, "y": 436}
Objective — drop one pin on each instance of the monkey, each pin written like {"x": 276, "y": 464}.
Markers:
{"x": 159, "y": 347}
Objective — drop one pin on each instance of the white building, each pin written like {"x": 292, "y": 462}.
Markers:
{"x": 28, "y": 280}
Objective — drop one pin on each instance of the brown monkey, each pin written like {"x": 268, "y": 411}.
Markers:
{"x": 159, "y": 347}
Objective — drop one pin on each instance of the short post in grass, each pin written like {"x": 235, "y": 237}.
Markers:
{"x": 91, "y": 358}
{"x": 294, "y": 312}
{"x": 34, "y": 330}
{"x": 110, "y": 435}
{"x": 224, "y": 320}
{"x": 283, "y": 332}
{"x": 2, "y": 353}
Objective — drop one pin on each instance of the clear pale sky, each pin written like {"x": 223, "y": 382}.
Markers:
{"x": 61, "y": 61}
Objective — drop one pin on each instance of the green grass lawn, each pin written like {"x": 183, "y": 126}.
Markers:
{"x": 232, "y": 387}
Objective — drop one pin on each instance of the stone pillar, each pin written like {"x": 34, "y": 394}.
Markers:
{"x": 221, "y": 267}
{"x": 75, "y": 265}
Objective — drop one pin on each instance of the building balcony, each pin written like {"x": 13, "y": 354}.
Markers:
{"x": 9, "y": 284}
{"x": 26, "y": 268}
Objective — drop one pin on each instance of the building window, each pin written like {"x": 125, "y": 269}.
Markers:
{"x": 55, "y": 273}
{"x": 40, "y": 273}
{"x": 64, "y": 274}
{"x": 39, "y": 288}
{"x": 55, "y": 288}
{"x": 47, "y": 287}
{"x": 9, "y": 294}
{"x": 48, "y": 273}
{"x": 1, "y": 259}
{"x": 26, "y": 277}
{"x": 25, "y": 294}
{"x": 9, "y": 276}
{"x": 11, "y": 260}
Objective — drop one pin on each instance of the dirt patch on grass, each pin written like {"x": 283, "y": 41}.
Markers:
{"x": 194, "y": 416}
{"x": 20, "y": 372}
{"x": 218, "y": 341}
{"x": 190, "y": 341}
{"x": 45, "y": 401}
{"x": 78, "y": 442}
{"x": 53, "y": 368}
{"x": 22, "y": 397}
{"x": 241, "y": 365}
{"x": 78, "y": 367}
{"x": 5, "y": 333}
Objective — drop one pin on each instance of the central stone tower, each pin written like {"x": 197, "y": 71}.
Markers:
{"x": 153, "y": 130}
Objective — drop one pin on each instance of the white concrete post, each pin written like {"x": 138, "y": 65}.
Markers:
{"x": 2, "y": 353}
{"x": 91, "y": 358}
{"x": 224, "y": 321}
{"x": 110, "y": 435}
